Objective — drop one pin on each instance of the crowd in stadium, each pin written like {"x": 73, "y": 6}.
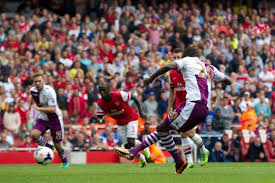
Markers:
{"x": 122, "y": 42}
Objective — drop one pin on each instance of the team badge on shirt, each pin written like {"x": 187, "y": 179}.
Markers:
{"x": 173, "y": 115}
{"x": 117, "y": 103}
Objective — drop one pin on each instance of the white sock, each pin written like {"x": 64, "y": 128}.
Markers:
{"x": 187, "y": 150}
{"x": 189, "y": 158}
{"x": 198, "y": 141}
{"x": 141, "y": 157}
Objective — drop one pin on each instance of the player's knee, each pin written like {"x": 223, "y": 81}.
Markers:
{"x": 191, "y": 133}
{"x": 34, "y": 134}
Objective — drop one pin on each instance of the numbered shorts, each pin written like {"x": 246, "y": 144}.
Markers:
{"x": 128, "y": 131}
{"x": 187, "y": 116}
{"x": 55, "y": 125}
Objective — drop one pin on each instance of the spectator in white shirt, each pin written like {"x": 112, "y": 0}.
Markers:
{"x": 267, "y": 77}
{"x": 246, "y": 102}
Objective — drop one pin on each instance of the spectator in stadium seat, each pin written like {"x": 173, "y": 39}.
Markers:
{"x": 226, "y": 146}
{"x": 3, "y": 141}
{"x": 110, "y": 133}
{"x": 245, "y": 103}
{"x": 263, "y": 108}
{"x": 217, "y": 154}
{"x": 76, "y": 105}
{"x": 271, "y": 137}
{"x": 62, "y": 100}
{"x": 22, "y": 112}
{"x": 213, "y": 57}
{"x": 12, "y": 119}
{"x": 92, "y": 94}
{"x": 76, "y": 68}
{"x": 28, "y": 142}
{"x": 162, "y": 104}
{"x": 150, "y": 106}
{"x": 236, "y": 146}
{"x": 98, "y": 144}
{"x": 267, "y": 77}
{"x": 227, "y": 113}
{"x": 256, "y": 151}
{"x": 208, "y": 130}
{"x": 217, "y": 122}
{"x": 237, "y": 111}
{"x": 80, "y": 142}
{"x": 272, "y": 102}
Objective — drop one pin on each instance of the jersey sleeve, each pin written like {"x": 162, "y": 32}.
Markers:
{"x": 52, "y": 98}
{"x": 126, "y": 96}
{"x": 218, "y": 76}
{"x": 182, "y": 63}
{"x": 99, "y": 111}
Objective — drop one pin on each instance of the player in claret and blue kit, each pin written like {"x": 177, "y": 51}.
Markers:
{"x": 198, "y": 76}
{"x": 115, "y": 104}
{"x": 50, "y": 116}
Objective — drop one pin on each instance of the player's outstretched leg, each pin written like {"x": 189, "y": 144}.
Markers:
{"x": 204, "y": 152}
{"x": 62, "y": 155}
{"x": 36, "y": 136}
{"x": 187, "y": 151}
{"x": 146, "y": 142}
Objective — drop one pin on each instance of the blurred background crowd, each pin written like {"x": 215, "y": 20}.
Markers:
{"x": 81, "y": 43}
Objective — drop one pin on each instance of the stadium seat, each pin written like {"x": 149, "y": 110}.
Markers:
{"x": 229, "y": 133}
{"x": 269, "y": 151}
{"x": 263, "y": 135}
{"x": 245, "y": 142}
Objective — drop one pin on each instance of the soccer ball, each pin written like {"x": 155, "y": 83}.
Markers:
{"x": 43, "y": 155}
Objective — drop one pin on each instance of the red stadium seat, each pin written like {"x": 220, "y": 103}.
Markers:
{"x": 269, "y": 151}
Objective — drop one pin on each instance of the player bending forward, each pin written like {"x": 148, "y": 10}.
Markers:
{"x": 198, "y": 76}
{"x": 116, "y": 105}
{"x": 178, "y": 94}
{"x": 50, "y": 116}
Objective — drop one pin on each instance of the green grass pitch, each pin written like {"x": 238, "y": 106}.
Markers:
{"x": 131, "y": 173}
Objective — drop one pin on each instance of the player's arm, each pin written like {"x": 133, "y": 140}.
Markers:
{"x": 160, "y": 71}
{"x": 171, "y": 100}
{"x": 219, "y": 76}
{"x": 137, "y": 102}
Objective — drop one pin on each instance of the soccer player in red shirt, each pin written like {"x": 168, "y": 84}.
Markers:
{"x": 115, "y": 104}
{"x": 178, "y": 94}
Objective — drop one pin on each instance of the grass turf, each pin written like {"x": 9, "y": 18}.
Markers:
{"x": 131, "y": 173}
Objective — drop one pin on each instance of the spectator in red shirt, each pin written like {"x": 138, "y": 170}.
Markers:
{"x": 272, "y": 102}
{"x": 22, "y": 112}
{"x": 76, "y": 105}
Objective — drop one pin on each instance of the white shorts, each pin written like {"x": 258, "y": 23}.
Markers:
{"x": 128, "y": 131}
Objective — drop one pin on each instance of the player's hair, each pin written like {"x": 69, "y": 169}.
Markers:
{"x": 104, "y": 85}
{"x": 178, "y": 50}
{"x": 190, "y": 52}
{"x": 38, "y": 74}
